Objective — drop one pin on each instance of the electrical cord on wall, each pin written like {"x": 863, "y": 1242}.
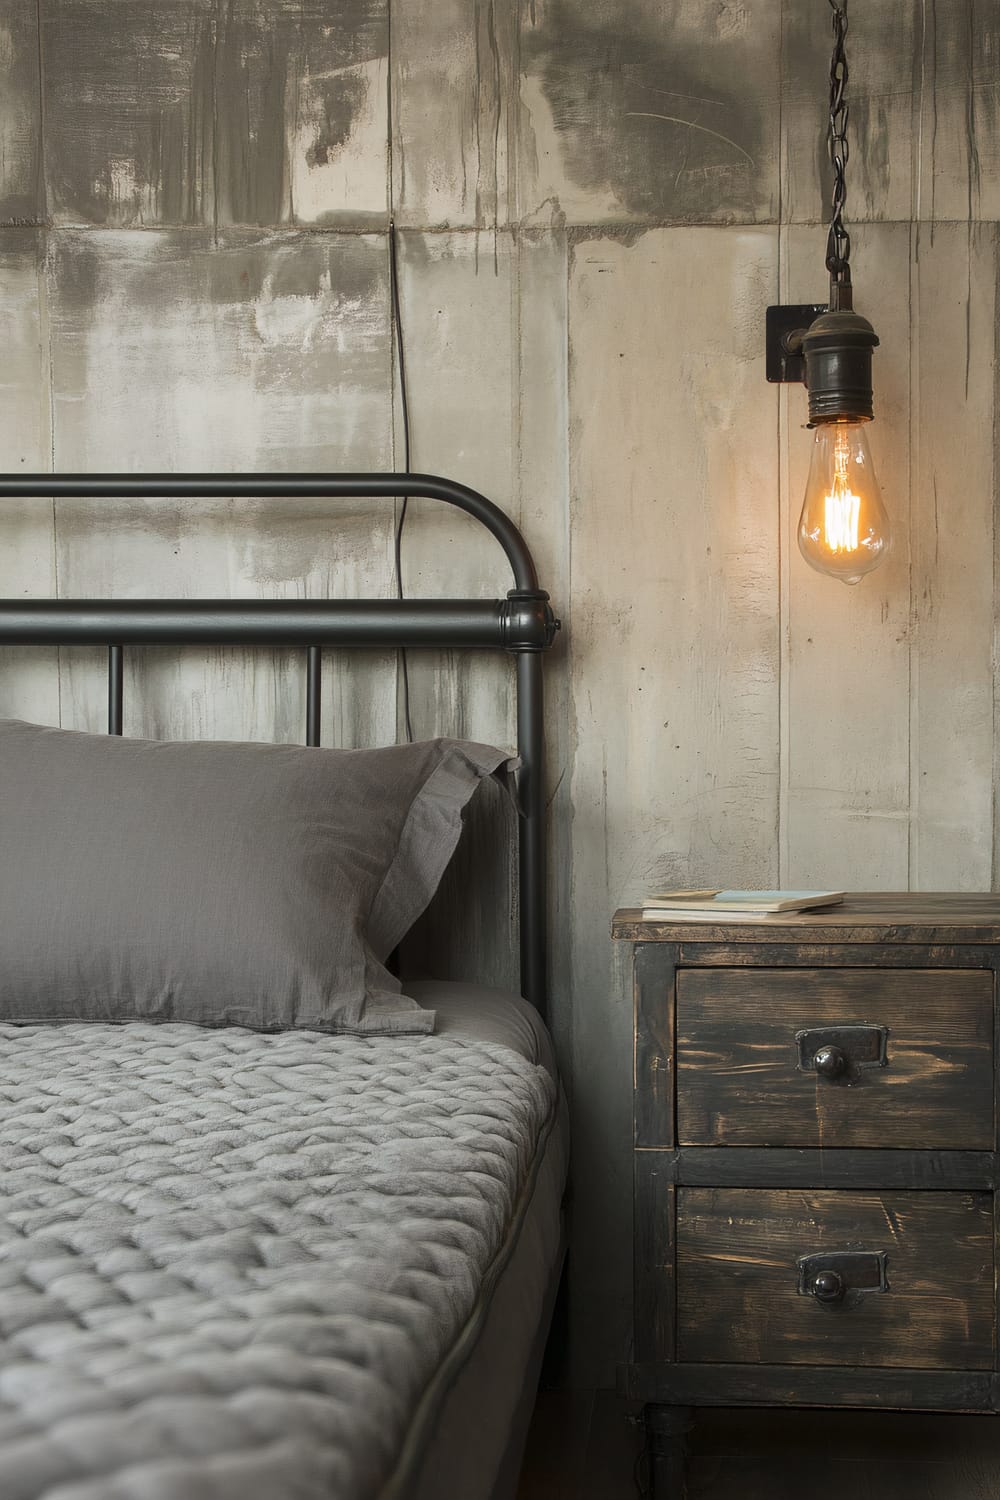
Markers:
{"x": 397, "y": 326}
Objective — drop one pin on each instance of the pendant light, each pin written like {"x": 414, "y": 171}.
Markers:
{"x": 844, "y": 527}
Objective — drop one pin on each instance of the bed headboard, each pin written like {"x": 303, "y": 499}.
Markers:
{"x": 522, "y": 623}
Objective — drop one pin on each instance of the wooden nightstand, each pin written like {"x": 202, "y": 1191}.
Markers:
{"x": 815, "y": 1162}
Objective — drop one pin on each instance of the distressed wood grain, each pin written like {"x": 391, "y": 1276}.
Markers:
{"x": 737, "y": 1282}
{"x": 774, "y": 1163}
{"x": 846, "y": 651}
{"x": 739, "y": 1076}
{"x": 176, "y": 351}
{"x": 196, "y": 112}
{"x": 834, "y": 1386}
{"x": 654, "y": 986}
{"x": 22, "y": 186}
{"x": 655, "y": 1260}
{"x": 800, "y": 1167}
{"x": 636, "y": 112}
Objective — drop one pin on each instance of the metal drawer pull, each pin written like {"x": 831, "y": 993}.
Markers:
{"x": 839, "y": 1052}
{"x": 830, "y": 1062}
{"x": 843, "y": 1276}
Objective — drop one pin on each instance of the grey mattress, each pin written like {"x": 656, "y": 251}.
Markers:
{"x": 273, "y": 1267}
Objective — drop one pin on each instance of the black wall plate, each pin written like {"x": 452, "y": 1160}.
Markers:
{"x": 781, "y": 364}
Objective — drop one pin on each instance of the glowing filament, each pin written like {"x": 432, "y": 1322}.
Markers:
{"x": 841, "y": 508}
{"x": 843, "y": 529}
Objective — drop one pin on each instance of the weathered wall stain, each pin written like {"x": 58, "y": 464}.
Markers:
{"x": 239, "y": 350}
{"x": 455, "y": 75}
{"x": 657, "y": 104}
{"x": 883, "y": 51}
{"x": 21, "y": 189}
{"x": 192, "y": 113}
{"x": 924, "y": 100}
{"x": 249, "y": 86}
{"x": 292, "y": 317}
{"x": 965, "y": 41}
{"x": 339, "y": 100}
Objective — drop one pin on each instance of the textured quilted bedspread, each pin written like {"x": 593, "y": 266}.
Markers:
{"x": 230, "y": 1263}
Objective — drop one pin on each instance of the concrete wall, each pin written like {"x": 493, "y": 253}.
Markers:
{"x": 596, "y": 201}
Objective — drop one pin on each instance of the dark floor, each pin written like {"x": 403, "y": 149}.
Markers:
{"x": 584, "y": 1445}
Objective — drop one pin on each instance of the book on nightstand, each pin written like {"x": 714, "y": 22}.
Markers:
{"x": 745, "y": 906}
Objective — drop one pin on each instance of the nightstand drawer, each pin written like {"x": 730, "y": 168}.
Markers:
{"x": 907, "y": 1278}
{"x": 835, "y": 1057}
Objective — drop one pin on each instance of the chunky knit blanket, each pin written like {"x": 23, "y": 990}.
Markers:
{"x": 230, "y": 1263}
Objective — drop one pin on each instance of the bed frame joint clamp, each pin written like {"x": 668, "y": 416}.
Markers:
{"x": 527, "y": 621}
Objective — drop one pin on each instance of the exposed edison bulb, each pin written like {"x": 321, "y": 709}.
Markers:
{"x": 844, "y": 527}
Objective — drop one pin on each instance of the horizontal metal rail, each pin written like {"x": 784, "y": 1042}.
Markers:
{"x": 388, "y": 623}
{"x": 279, "y": 487}
{"x": 523, "y": 623}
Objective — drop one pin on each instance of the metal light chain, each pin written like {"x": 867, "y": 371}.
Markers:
{"x": 838, "y": 244}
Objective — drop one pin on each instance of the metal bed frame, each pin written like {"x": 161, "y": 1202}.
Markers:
{"x": 523, "y": 623}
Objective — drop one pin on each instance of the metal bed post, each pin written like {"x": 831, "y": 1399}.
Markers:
{"x": 531, "y": 859}
{"x": 116, "y": 689}
{"x": 523, "y": 623}
{"x": 314, "y": 694}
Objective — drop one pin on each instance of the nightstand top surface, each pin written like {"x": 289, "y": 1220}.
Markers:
{"x": 862, "y": 917}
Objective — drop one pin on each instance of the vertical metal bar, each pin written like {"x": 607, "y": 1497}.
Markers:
{"x": 532, "y": 885}
{"x": 116, "y": 688}
{"x": 314, "y": 694}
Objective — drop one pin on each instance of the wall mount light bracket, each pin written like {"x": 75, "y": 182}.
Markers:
{"x": 785, "y": 361}
{"x": 843, "y": 528}
{"x": 829, "y": 349}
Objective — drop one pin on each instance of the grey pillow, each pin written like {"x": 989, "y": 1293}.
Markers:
{"x": 252, "y": 885}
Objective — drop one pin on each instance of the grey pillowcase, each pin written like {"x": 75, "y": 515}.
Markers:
{"x": 251, "y": 885}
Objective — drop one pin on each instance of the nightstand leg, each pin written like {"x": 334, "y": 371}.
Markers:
{"x": 667, "y": 1430}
